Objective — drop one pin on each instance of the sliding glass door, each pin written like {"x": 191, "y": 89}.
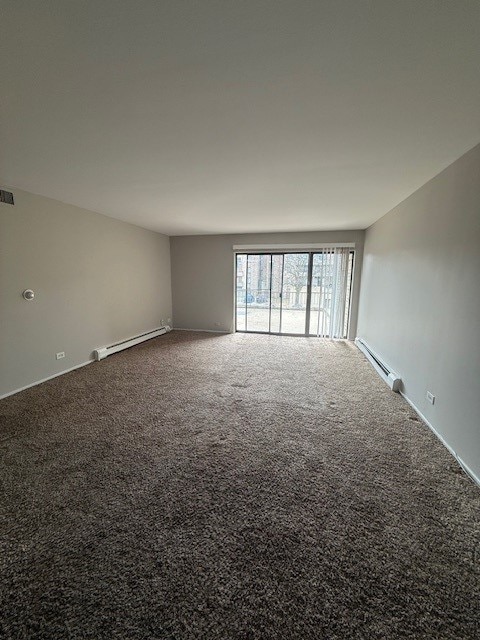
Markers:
{"x": 304, "y": 293}
{"x": 294, "y": 293}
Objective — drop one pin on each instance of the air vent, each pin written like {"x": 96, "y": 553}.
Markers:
{"x": 6, "y": 196}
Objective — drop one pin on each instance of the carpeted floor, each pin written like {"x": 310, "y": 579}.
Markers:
{"x": 231, "y": 487}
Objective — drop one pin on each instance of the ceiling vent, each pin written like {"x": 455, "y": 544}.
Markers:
{"x": 6, "y": 196}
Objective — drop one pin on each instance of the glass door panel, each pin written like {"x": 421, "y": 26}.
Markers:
{"x": 258, "y": 292}
{"x": 241, "y": 292}
{"x": 276, "y": 295}
{"x": 294, "y": 292}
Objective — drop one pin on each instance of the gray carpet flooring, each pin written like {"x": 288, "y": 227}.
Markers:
{"x": 231, "y": 487}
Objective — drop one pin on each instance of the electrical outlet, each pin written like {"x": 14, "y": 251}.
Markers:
{"x": 169, "y": 320}
{"x": 60, "y": 355}
{"x": 430, "y": 397}
{"x": 162, "y": 322}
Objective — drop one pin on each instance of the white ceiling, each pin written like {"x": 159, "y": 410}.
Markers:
{"x": 235, "y": 116}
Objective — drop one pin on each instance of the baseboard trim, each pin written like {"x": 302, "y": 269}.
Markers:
{"x": 55, "y": 375}
{"x": 201, "y": 330}
{"x": 464, "y": 466}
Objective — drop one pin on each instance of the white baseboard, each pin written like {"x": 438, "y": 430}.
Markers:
{"x": 201, "y": 330}
{"x": 55, "y": 375}
{"x": 464, "y": 466}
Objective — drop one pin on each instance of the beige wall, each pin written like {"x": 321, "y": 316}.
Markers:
{"x": 420, "y": 302}
{"x": 203, "y": 274}
{"x": 96, "y": 281}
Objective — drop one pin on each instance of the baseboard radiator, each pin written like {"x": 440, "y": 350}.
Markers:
{"x": 385, "y": 372}
{"x": 103, "y": 352}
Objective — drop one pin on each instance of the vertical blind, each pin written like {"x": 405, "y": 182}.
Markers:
{"x": 331, "y": 278}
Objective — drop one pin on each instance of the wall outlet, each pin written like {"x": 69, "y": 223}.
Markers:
{"x": 430, "y": 397}
{"x": 169, "y": 321}
{"x": 60, "y": 355}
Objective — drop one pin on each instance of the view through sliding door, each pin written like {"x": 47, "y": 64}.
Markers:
{"x": 304, "y": 293}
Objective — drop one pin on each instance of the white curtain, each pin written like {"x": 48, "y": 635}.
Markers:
{"x": 330, "y": 273}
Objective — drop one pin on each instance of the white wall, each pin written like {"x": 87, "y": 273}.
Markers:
{"x": 420, "y": 302}
{"x": 96, "y": 281}
{"x": 203, "y": 274}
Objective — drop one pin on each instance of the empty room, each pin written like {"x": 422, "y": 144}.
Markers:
{"x": 240, "y": 319}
